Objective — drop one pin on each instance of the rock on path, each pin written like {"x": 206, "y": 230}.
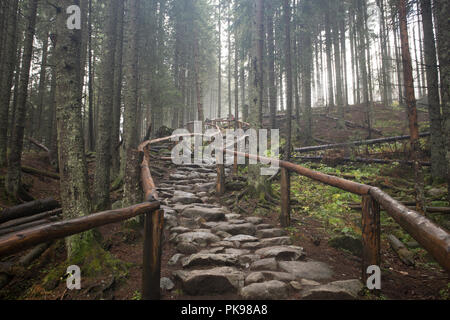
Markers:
{"x": 220, "y": 252}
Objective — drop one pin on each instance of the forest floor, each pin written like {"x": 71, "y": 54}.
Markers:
{"x": 320, "y": 214}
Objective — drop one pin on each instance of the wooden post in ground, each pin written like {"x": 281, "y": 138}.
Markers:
{"x": 220, "y": 182}
{"x": 370, "y": 234}
{"x": 151, "y": 273}
{"x": 285, "y": 217}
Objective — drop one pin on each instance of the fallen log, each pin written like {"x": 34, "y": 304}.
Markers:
{"x": 357, "y": 143}
{"x": 16, "y": 242}
{"x": 39, "y": 145}
{"x": 352, "y": 124}
{"x": 36, "y": 217}
{"x": 35, "y": 253}
{"x": 37, "y": 172}
{"x": 29, "y": 225}
{"x": 360, "y": 160}
{"x": 406, "y": 256}
{"x": 28, "y": 209}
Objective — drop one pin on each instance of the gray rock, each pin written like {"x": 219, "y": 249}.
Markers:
{"x": 188, "y": 223}
{"x": 166, "y": 284}
{"x": 223, "y": 234}
{"x": 209, "y": 214}
{"x": 185, "y": 198}
{"x": 168, "y": 210}
{"x": 254, "y": 277}
{"x": 270, "y": 233}
{"x": 238, "y": 252}
{"x": 183, "y": 188}
{"x": 254, "y": 220}
{"x": 263, "y": 226}
{"x": 212, "y": 281}
{"x": 180, "y": 207}
{"x": 270, "y": 290}
{"x": 241, "y": 238}
{"x": 309, "y": 283}
{"x": 170, "y": 220}
{"x": 283, "y": 253}
{"x": 202, "y": 194}
{"x": 175, "y": 259}
{"x": 236, "y": 229}
{"x": 201, "y": 259}
{"x": 201, "y": 230}
{"x": 180, "y": 230}
{"x": 247, "y": 259}
{"x": 187, "y": 248}
{"x": 204, "y": 187}
{"x": 177, "y": 177}
{"x": 213, "y": 250}
{"x": 208, "y": 225}
{"x": 279, "y": 241}
{"x": 251, "y": 245}
{"x": 280, "y": 276}
{"x": 232, "y": 216}
{"x": 337, "y": 290}
{"x": 226, "y": 244}
{"x": 265, "y": 264}
{"x": 200, "y": 238}
{"x": 236, "y": 221}
{"x": 312, "y": 270}
{"x": 207, "y": 200}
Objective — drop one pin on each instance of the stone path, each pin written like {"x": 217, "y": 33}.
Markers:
{"x": 220, "y": 252}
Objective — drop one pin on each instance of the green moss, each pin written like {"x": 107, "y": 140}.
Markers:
{"x": 93, "y": 260}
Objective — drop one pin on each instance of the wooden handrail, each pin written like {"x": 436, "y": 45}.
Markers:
{"x": 18, "y": 241}
{"x": 432, "y": 237}
{"x": 357, "y": 143}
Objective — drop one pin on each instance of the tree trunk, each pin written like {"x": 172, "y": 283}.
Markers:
{"x": 132, "y": 194}
{"x": 72, "y": 163}
{"x": 104, "y": 126}
{"x": 411, "y": 104}
{"x": 117, "y": 103}
{"x": 329, "y": 50}
{"x": 13, "y": 179}
{"x": 443, "y": 25}
{"x": 438, "y": 164}
{"x": 10, "y": 62}
{"x": 42, "y": 87}
{"x": 271, "y": 62}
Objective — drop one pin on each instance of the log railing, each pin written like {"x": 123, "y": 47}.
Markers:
{"x": 433, "y": 238}
{"x": 15, "y": 242}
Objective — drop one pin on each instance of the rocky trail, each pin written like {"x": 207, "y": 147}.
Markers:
{"x": 221, "y": 254}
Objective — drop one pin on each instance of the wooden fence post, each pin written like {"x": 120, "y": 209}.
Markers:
{"x": 220, "y": 182}
{"x": 285, "y": 217}
{"x": 370, "y": 234}
{"x": 151, "y": 273}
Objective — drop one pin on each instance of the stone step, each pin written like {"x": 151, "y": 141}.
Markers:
{"x": 213, "y": 281}
{"x": 271, "y": 233}
{"x": 269, "y": 290}
{"x": 210, "y": 259}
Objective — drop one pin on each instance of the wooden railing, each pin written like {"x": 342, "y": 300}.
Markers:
{"x": 15, "y": 242}
{"x": 433, "y": 238}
